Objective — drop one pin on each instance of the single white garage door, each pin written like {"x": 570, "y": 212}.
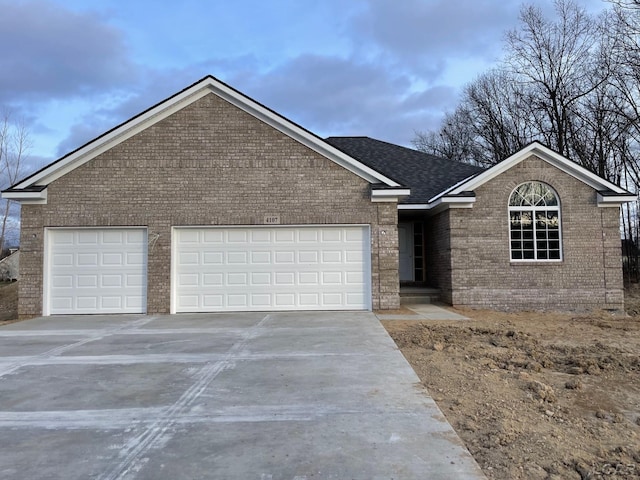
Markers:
{"x": 271, "y": 268}
{"x": 96, "y": 270}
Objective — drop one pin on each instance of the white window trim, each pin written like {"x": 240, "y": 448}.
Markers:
{"x": 557, "y": 208}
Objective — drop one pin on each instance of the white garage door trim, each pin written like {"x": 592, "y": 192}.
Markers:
{"x": 270, "y": 268}
{"x": 95, "y": 270}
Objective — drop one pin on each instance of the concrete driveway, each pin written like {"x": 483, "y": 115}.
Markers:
{"x": 217, "y": 396}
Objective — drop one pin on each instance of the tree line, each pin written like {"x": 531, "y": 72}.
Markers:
{"x": 571, "y": 82}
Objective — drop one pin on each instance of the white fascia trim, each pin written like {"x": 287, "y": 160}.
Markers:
{"x": 614, "y": 200}
{"x": 453, "y": 187}
{"x": 113, "y": 138}
{"x": 455, "y": 202}
{"x": 27, "y": 198}
{"x": 185, "y": 98}
{"x": 548, "y": 155}
{"x": 414, "y": 206}
{"x": 389, "y": 195}
{"x": 446, "y": 202}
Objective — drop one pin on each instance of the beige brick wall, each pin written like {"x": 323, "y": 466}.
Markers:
{"x": 438, "y": 254}
{"x": 208, "y": 164}
{"x": 589, "y": 276}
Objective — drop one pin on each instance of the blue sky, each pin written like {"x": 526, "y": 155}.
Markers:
{"x": 382, "y": 68}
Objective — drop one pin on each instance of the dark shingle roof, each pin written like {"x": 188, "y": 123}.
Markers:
{"x": 426, "y": 175}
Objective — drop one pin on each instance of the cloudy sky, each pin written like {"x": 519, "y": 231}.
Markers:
{"x": 383, "y": 68}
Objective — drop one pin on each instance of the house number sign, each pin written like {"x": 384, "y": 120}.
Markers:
{"x": 272, "y": 219}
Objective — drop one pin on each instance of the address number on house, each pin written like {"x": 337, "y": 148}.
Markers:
{"x": 272, "y": 219}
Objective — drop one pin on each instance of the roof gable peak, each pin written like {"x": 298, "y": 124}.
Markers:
{"x": 548, "y": 155}
{"x": 205, "y": 86}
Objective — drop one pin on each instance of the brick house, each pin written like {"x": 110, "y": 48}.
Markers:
{"x": 210, "y": 201}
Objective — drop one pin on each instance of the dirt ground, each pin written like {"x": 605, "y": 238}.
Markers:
{"x": 536, "y": 395}
{"x": 8, "y": 302}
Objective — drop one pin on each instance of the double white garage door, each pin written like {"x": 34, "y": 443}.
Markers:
{"x": 213, "y": 269}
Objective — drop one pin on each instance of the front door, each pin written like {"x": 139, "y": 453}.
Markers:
{"x": 405, "y": 247}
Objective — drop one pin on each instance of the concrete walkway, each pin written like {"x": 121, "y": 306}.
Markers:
{"x": 226, "y": 396}
{"x": 423, "y": 311}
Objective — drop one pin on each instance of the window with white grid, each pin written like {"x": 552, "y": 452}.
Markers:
{"x": 534, "y": 223}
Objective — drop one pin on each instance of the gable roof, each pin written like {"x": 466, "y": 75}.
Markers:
{"x": 438, "y": 182}
{"x": 608, "y": 192}
{"x": 33, "y": 187}
{"x": 426, "y": 175}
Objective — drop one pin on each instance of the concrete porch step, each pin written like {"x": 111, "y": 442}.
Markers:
{"x": 418, "y": 295}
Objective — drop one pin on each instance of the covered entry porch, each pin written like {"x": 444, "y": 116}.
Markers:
{"x": 418, "y": 259}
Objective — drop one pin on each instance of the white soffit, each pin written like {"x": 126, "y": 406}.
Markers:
{"x": 391, "y": 195}
{"x": 27, "y": 197}
{"x": 181, "y": 100}
{"x": 614, "y": 200}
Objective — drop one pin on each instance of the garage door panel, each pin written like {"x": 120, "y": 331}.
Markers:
{"x": 107, "y": 281}
{"x": 332, "y": 256}
{"x": 309, "y": 278}
{"x": 309, "y": 299}
{"x": 261, "y": 278}
{"x": 62, "y": 281}
{"x": 332, "y": 299}
{"x": 113, "y": 238}
{"x": 286, "y": 256}
{"x": 62, "y": 302}
{"x": 136, "y": 302}
{"x": 135, "y": 237}
{"x": 213, "y": 258}
{"x": 308, "y": 235}
{"x": 284, "y": 235}
{"x": 63, "y": 259}
{"x": 261, "y": 257}
{"x": 279, "y": 268}
{"x": 237, "y": 300}
{"x": 96, "y": 270}
{"x": 135, "y": 280}
{"x": 87, "y": 302}
{"x": 189, "y": 258}
{"x": 213, "y": 279}
{"x": 86, "y": 260}
{"x": 307, "y": 257}
{"x": 189, "y": 301}
{"x": 285, "y": 278}
{"x": 87, "y": 238}
{"x": 238, "y": 258}
{"x": 260, "y": 236}
{"x": 112, "y": 259}
{"x": 107, "y": 302}
{"x": 331, "y": 278}
{"x": 138, "y": 258}
{"x": 235, "y": 279}
{"x": 261, "y": 300}
{"x": 87, "y": 281}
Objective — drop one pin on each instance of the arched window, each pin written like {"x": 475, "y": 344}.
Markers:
{"x": 534, "y": 223}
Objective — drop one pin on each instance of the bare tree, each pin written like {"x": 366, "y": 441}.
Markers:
{"x": 489, "y": 124}
{"x": 14, "y": 144}
{"x": 557, "y": 62}
{"x": 553, "y": 73}
{"x": 455, "y": 139}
